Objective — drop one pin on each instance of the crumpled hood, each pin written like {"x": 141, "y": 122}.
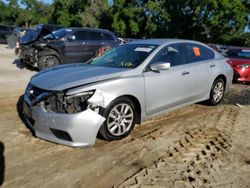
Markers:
{"x": 38, "y": 32}
{"x": 69, "y": 76}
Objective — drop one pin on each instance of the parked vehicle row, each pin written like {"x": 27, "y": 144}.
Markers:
{"x": 71, "y": 104}
{"x": 4, "y": 32}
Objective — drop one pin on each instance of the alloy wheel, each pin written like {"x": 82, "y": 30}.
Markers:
{"x": 50, "y": 61}
{"x": 218, "y": 91}
{"x": 120, "y": 119}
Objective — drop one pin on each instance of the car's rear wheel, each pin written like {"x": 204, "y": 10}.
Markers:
{"x": 217, "y": 92}
{"x": 47, "y": 61}
{"x": 120, "y": 119}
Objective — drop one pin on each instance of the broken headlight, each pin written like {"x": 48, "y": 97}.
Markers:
{"x": 62, "y": 103}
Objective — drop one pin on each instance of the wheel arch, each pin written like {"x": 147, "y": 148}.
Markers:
{"x": 137, "y": 106}
{"x": 223, "y": 77}
{"x": 49, "y": 51}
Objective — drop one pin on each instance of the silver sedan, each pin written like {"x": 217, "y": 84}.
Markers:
{"x": 70, "y": 104}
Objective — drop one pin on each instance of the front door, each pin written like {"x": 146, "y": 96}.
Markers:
{"x": 168, "y": 88}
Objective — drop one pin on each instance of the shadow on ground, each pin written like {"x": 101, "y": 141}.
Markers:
{"x": 238, "y": 97}
{"x": 22, "y": 65}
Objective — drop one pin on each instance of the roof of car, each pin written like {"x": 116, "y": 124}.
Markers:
{"x": 159, "y": 41}
{"x": 88, "y": 28}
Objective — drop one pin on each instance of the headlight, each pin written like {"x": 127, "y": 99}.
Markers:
{"x": 77, "y": 102}
{"x": 86, "y": 94}
{"x": 244, "y": 66}
{"x": 62, "y": 103}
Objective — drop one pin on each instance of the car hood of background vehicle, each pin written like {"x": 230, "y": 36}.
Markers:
{"x": 35, "y": 34}
{"x": 69, "y": 76}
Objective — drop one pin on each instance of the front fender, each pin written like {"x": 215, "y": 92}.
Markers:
{"x": 108, "y": 91}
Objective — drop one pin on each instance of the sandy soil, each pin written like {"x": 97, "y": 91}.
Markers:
{"x": 196, "y": 146}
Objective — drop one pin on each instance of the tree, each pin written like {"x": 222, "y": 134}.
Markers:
{"x": 138, "y": 18}
{"x": 67, "y": 13}
{"x": 209, "y": 20}
{"x": 205, "y": 20}
{"x": 9, "y": 11}
{"x": 96, "y": 14}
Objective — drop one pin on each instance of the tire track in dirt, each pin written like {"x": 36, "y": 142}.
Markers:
{"x": 196, "y": 159}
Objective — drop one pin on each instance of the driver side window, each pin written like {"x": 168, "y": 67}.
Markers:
{"x": 173, "y": 54}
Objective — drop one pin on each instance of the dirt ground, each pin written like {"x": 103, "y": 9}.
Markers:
{"x": 196, "y": 146}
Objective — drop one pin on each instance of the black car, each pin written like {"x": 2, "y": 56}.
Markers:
{"x": 4, "y": 31}
{"x": 70, "y": 45}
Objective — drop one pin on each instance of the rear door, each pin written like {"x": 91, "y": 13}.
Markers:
{"x": 201, "y": 64}
{"x": 110, "y": 40}
{"x": 168, "y": 88}
{"x": 95, "y": 42}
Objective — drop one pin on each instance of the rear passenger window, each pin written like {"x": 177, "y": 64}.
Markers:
{"x": 94, "y": 36}
{"x": 196, "y": 52}
{"x": 81, "y": 35}
{"x": 173, "y": 53}
{"x": 108, "y": 36}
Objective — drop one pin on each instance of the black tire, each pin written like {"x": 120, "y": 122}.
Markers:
{"x": 120, "y": 121}
{"x": 217, "y": 92}
{"x": 47, "y": 61}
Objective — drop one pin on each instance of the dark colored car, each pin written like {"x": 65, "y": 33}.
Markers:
{"x": 4, "y": 31}
{"x": 31, "y": 39}
{"x": 239, "y": 59}
{"x": 70, "y": 45}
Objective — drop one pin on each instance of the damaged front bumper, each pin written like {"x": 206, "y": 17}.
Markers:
{"x": 77, "y": 130}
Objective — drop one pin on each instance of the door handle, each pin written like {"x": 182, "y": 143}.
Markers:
{"x": 185, "y": 73}
{"x": 212, "y": 66}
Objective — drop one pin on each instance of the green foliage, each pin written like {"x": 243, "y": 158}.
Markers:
{"x": 138, "y": 18}
{"x": 207, "y": 20}
{"x": 9, "y": 12}
{"x": 213, "y": 21}
{"x": 24, "y": 12}
{"x": 68, "y": 13}
{"x": 95, "y": 14}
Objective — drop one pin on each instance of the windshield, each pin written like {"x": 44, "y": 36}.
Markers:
{"x": 58, "y": 34}
{"x": 238, "y": 53}
{"x": 125, "y": 56}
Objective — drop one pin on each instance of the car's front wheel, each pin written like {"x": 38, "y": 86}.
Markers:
{"x": 48, "y": 61}
{"x": 217, "y": 91}
{"x": 120, "y": 119}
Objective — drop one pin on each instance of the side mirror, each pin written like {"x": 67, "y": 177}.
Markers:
{"x": 160, "y": 66}
{"x": 71, "y": 38}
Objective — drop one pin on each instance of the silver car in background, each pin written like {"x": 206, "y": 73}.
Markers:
{"x": 70, "y": 104}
